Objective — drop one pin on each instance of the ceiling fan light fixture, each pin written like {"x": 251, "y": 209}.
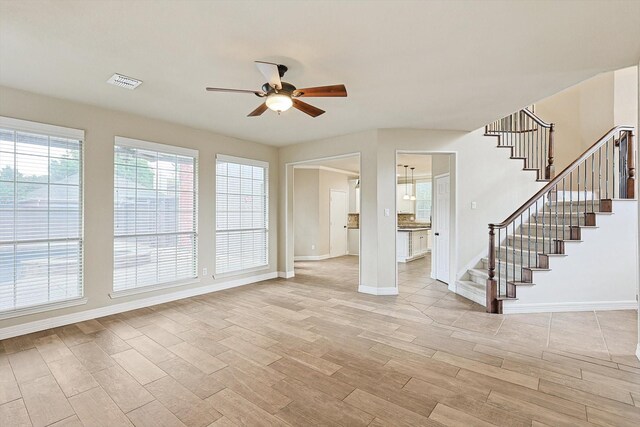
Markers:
{"x": 279, "y": 102}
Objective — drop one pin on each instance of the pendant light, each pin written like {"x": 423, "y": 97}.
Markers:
{"x": 413, "y": 183}
{"x": 406, "y": 184}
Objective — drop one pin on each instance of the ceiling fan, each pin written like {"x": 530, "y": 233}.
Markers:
{"x": 280, "y": 96}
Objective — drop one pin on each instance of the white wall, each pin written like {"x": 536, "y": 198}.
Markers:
{"x": 306, "y": 211}
{"x": 312, "y": 204}
{"x": 614, "y": 245}
{"x": 101, "y": 126}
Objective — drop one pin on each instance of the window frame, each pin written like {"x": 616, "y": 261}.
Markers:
{"x": 49, "y": 130}
{"x": 248, "y": 162}
{"x": 120, "y": 141}
{"x": 428, "y": 181}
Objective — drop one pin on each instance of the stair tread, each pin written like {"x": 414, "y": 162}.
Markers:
{"x": 521, "y": 283}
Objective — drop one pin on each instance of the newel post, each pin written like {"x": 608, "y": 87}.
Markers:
{"x": 631, "y": 173}
{"x": 492, "y": 286}
{"x": 551, "y": 169}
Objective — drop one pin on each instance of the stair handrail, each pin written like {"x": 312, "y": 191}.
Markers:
{"x": 628, "y": 188}
{"x": 515, "y": 131}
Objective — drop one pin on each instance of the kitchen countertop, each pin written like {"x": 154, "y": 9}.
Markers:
{"x": 414, "y": 229}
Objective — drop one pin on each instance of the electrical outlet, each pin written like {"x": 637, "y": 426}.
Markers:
{"x": 474, "y": 205}
{"x": 313, "y": 247}
{"x": 204, "y": 271}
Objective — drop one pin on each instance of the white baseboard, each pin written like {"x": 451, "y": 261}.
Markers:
{"x": 81, "y": 316}
{"x": 311, "y": 257}
{"x": 286, "y": 274}
{"x": 372, "y": 290}
{"x": 512, "y": 308}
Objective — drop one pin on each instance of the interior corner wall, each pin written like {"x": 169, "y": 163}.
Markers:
{"x": 306, "y": 186}
{"x": 440, "y": 164}
{"x": 101, "y": 126}
{"x": 638, "y": 235}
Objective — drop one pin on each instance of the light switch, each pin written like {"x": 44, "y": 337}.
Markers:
{"x": 204, "y": 271}
{"x": 474, "y": 205}
{"x": 387, "y": 212}
{"x": 313, "y": 247}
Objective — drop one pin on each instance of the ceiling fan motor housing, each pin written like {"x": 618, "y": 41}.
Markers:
{"x": 287, "y": 88}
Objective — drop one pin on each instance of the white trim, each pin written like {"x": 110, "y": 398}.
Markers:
{"x": 123, "y": 141}
{"x": 328, "y": 169}
{"x": 235, "y": 273}
{"x": 41, "y": 128}
{"x": 41, "y": 308}
{"x": 66, "y": 319}
{"x": 554, "y": 307}
{"x": 638, "y": 351}
{"x": 286, "y": 274}
{"x": 151, "y": 288}
{"x": 311, "y": 257}
{"x": 372, "y": 290}
{"x": 242, "y": 161}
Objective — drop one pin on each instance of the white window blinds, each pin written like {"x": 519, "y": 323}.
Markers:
{"x": 155, "y": 214}
{"x": 242, "y": 215}
{"x": 40, "y": 214}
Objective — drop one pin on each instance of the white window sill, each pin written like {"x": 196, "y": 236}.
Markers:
{"x": 43, "y": 307}
{"x": 240, "y": 272}
{"x": 151, "y": 288}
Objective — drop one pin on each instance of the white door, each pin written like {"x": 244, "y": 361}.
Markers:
{"x": 338, "y": 224}
{"x": 441, "y": 231}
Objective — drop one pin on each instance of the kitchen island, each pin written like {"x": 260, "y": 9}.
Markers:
{"x": 412, "y": 243}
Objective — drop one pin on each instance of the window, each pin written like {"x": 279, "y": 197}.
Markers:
{"x": 155, "y": 214}
{"x": 423, "y": 201}
{"x": 40, "y": 214}
{"x": 242, "y": 215}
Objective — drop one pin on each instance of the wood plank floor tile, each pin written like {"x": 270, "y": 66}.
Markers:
{"x": 452, "y": 417}
{"x": 154, "y": 414}
{"x": 14, "y": 414}
{"x": 95, "y": 408}
{"x": 138, "y": 366}
{"x": 51, "y": 348}
{"x": 385, "y": 410}
{"x": 258, "y": 393}
{"x": 252, "y": 351}
{"x": 44, "y": 400}
{"x": 92, "y": 356}
{"x": 9, "y": 389}
{"x": 150, "y": 349}
{"x": 125, "y": 391}
{"x": 186, "y": 406}
{"x": 72, "y": 421}
{"x": 71, "y": 375}
{"x": 28, "y": 365}
{"x": 160, "y": 335}
{"x": 312, "y": 378}
{"x": 198, "y": 358}
{"x": 492, "y": 371}
{"x": 201, "y": 384}
{"x": 241, "y": 411}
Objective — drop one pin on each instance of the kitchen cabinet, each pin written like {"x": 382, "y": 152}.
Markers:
{"x": 412, "y": 243}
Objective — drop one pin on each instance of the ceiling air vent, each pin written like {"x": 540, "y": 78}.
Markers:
{"x": 124, "y": 81}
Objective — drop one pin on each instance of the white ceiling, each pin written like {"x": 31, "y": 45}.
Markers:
{"x": 429, "y": 64}
{"x": 421, "y": 163}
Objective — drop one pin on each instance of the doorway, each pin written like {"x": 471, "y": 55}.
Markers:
{"x": 323, "y": 225}
{"x": 424, "y": 218}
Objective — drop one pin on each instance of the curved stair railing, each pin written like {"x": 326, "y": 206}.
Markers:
{"x": 529, "y": 138}
{"x": 523, "y": 242}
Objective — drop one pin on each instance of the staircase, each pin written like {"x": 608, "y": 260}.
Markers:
{"x": 574, "y": 200}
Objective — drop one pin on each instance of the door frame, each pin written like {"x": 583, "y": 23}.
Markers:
{"x": 346, "y": 214}
{"x": 434, "y": 215}
{"x": 453, "y": 204}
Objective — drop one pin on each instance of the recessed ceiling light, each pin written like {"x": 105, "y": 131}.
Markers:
{"x": 124, "y": 81}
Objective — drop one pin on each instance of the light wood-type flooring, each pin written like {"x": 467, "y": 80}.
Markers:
{"x": 312, "y": 351}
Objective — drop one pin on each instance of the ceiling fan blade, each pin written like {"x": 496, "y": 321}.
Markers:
{"x": 258, "y": 111}
{"x": 271, "y": 73}
{"x": 334, "y": 90}
{"x": 307, "y": 108}
{"x": 219, "y": 89}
